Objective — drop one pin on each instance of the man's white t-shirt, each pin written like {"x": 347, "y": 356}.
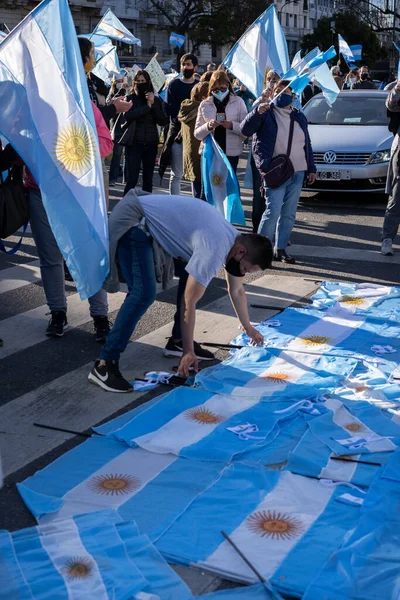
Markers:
{"x": 192, "y": 230}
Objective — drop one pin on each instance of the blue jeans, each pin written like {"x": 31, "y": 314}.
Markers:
{"x": 280, "y": 210}
{"x": 136, "y": 260}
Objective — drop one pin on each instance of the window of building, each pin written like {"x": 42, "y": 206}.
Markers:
{"x": 305, "y": 22}
{"x": 305, "y": 4}
{"x": 287, "y": 19}
{"x": 295, "y": 20}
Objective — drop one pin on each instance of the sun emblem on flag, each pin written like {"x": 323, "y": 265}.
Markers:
{"x": 351, "y": 300}
{"x": 276, "y": 377}
{"x": 114, "y": 485}
{"x": 275, "y": 525}
{"x": 361, "y": 388}
{"x": 315, "y": 340}
{"x": 353, "y": 427}
{"x": 79, "y": 567}
{"x": 74, "y": 149}
{"x": 216, "y": 179}
{"x": 203, "y": 416}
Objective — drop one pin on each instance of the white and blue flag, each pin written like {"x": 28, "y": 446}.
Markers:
{"x": 327, "y": 84}
{"x": 345, "y": 50}
{"x": 107, "y": 64}
{"x": 296, "y": 58}
{"x": 102, "y": 44}
{"x": 112, "y": 27}
{"x": 356, "y": 51}
{"x": 47, "y": 116}
{"x": 167, "y": 64}
{"x": 301, "y": 64}
{"x": 263, "y": 46}
{"x": 176, "y": 39}
{"x": 220, "y": 183}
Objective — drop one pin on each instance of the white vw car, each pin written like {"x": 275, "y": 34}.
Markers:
{"x": 351, "y": 141}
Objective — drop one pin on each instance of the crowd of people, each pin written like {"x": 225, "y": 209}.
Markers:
{"x": 154, "y": 237}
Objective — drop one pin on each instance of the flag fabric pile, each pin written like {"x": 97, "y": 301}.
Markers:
{"x": 313, "y": 415}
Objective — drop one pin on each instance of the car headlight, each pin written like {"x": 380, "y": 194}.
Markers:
{"x": 379, "y": 156}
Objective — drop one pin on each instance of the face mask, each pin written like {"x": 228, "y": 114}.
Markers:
{"x": 187, "y": 73}
{"x": 352, "y": 80}
{"x": 220, "y": 95}
{"x": 118, "y": 86}
{"x": 142, "y": 88}
{"x": 283, "y": 100}
{"x": 233, "y": 267}
{"x": 364, "y": 76}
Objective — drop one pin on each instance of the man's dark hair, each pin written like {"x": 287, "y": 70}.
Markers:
{"x": 85, "y": 47}
{"x": 190, "y": 56}
{"x": 259, "y": 249}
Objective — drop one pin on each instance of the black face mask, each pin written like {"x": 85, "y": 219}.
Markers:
{"x": 364, "y": 76}
{"x": 233, "y": 267}
{"x": 187, "y": 73}
{"x": 143, "y": 88}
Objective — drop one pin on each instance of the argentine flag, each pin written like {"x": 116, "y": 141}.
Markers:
{"x": 48, "y": 118}
{"x": 286, "y": 525}
{"x": 102, "y": 473}
{"x": 112, "y": 27}
{"x": 107, "y": 63}
{"x": 263, "y": 46}
{"x": 345, "y": 50}
{"x": 220, "y": 183}
{"x": 176, "y": 39}
{"x": 356, "y": 51}
{"x": 102, "y": 44}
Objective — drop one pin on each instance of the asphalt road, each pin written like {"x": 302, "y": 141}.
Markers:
{"x": 336, "y": 237}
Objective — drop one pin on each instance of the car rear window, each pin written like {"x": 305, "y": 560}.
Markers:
{"x": 347, "y": 110}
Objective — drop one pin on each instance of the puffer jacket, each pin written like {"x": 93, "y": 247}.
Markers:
{"x": 146, "y": 118}
{"x": 235, "y": 111}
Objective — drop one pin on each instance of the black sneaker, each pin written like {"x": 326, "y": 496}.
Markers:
{"x": 57, "y": 324}
{"x": 101, "y": 328}
{"x": 109, "y": 377}
{"x": 176, "y": 349}
{"x": 283, "y": 256}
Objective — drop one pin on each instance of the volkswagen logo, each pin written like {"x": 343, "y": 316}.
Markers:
{"x": 329, "y": 157}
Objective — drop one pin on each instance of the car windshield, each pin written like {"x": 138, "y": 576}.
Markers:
{"x": 347, "y": 110}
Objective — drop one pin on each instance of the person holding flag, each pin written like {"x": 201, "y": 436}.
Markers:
{"x": 280, "y": 131}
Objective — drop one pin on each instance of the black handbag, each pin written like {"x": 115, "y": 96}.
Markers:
{"x": 128, "y": 133}
{"x": 281, "y": 168}
{"x": 14, "y": 206}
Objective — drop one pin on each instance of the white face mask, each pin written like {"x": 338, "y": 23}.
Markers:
{"x": 119, "y": 86}
{"x": 352, "y": 80}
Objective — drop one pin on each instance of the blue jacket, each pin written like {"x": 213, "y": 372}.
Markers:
{"x": 265, "y": 129}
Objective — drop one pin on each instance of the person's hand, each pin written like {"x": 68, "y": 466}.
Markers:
{"x": 257, "y": 338}
{"x": 213, "y": 124}
{"x": 243, "y": 88}
{"x": 311, "y": 178}
{"x": 150, "y": 98}
{"x": 122, "y": 105}
{"x": 188, "y": 360}
{"x": 266, "y": 94}
{"x": 227, "y": 124}
{"x": 262, "y": 108}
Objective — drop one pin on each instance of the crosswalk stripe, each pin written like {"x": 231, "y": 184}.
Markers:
{"x": 343, "y": 254}
{"x": 19, "y": 276}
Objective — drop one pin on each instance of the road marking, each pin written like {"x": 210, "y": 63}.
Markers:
{"x": 19, "y": 276}
{"x": 343, "y": 254}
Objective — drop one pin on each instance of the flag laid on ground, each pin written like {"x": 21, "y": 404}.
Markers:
{"x": 351, "y": 297}
{"x": 313, "y": 458}
{"x": 176, "y": 39}
{"x": 48, "y": 118}
{"x": 152, "y": 489}
{"x": 220, "y": 183}
{"x": 263, "y": 46}
{"x": 102, "y": 44}
{"x": 199, "y": 425}
{"x": 91, "y": 556}
{"x": 270, "y": 517}
{"x": 252, "y": 592}
{"x": 356, "y": 51}
{"x": 112, "y": 27}
{"x": 367, "y": 565}
{"x": 106, "y": 64}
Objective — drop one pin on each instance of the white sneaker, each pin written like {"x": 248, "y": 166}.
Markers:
{"x": 386, "y": 248}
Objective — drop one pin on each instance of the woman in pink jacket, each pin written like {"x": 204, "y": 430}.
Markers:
{"x": 221, "y": 114}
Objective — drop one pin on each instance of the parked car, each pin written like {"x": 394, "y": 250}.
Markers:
{"x": 351, "y": 141}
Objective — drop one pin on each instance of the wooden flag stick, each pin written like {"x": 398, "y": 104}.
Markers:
{"x": 86, "y": 435}
{"x": 359, "y": 462}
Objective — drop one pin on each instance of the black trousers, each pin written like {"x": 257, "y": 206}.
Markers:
{"x": 140, "y": 155}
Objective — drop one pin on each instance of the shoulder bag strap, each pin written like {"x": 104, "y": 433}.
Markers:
{"x": 289, "y": 148}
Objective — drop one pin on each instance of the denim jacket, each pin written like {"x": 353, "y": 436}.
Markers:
{"x": 264, "y": 130}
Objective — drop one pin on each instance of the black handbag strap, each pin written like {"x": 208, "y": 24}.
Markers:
{"x": 289, "y": 147}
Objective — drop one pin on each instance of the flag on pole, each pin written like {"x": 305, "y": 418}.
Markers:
{"x": 301, "y": 64}
{"x": 296, "y": 58}
{"x": 167, "y": 64}
{"x": 3, "y": 35}
{"x": 102, "y": 44}
{"x": 176, "y": 39}
{"x": 356, "y": 50}
{"x": 326, "y": 82}
{"x": 263, "y": 46}
{"x": 112, "y": 27}
{"x": 345, "y": 50}
{"x": 106, "y": 64}
{"x": 220, "y": 183}
{"x": 47, "y": 116}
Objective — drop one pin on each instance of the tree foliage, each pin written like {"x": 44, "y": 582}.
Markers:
{"x": 352, "y": 30}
